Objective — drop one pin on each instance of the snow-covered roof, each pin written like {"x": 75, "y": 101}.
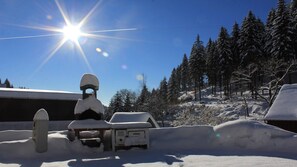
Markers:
{"x": 89, "y": 79}
{"x": 16, "y": 93}
{"x": 41, "y": 114}
{"x": 285, "y": 105}
{"x": 89, "y": 103}
{"x": 133, "y": 117}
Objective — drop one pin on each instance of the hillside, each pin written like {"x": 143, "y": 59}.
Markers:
{"x": 214, "y": 110}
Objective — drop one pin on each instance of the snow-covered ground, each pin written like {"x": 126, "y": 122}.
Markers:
{"x": 234, "y": 143}
{"x": 214, "y": 109}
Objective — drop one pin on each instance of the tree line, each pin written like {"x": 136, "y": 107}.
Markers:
{"x": 253, "y": 55}
{"x": 6, "y": 83}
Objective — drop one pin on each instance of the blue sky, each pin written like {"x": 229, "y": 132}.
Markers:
{"x": 161, "y": 31}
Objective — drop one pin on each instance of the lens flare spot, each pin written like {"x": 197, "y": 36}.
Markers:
{"x": 49, "y": 17}
{"x": 98, "y": 50}
{"x": 124, "y": 67}
{"x": 139, "y": 77}
{"x": 105, "y": 54}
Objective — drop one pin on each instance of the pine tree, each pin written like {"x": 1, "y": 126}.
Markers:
{"x": 178, "y": 78}
{"x": 172, "y": 93}
{"x": 116, "y": 103}
{"x": 185, "y": 74}
{"x": 225, "y": 58}
{"x": 250, "y": 41}
{"x": 235, "y": 46}
{"x": 7, "y": 83}
{"x": 163, "y": 90}
{"x": 127, "y": 104}
{"x": 212, "y": 65}
{"x": 293, "y": 26}
{"x": 282, "y": 34}
{"x": 197, "y": 65}
{"x": 268, "y": 33}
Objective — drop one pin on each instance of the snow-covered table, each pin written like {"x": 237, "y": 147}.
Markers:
{"x": 78, "y": 126}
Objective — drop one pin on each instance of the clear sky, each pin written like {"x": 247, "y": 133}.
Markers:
{"x": 151, "y": 37}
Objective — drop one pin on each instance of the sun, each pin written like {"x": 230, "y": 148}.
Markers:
{"x": 72, "y": 32}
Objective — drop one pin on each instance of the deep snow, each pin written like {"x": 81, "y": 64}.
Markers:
{"x": 240, "y": 142}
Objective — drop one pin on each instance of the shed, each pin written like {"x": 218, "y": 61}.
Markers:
{"x": 119, "y": 117}
{"x": 21, "y": 104}
{"x": 283, "y": 112}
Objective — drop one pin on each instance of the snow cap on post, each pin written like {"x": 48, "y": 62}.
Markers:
{"x": 41, "y": 114}
{"x": 89, "y": 81}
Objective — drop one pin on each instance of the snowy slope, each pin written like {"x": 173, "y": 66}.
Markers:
{"x": 241, "y": 142}
{"x": 214, "y": 109}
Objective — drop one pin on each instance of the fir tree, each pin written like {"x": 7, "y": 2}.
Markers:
{"x": 282, "y": 34}
{"x": 197, "y": 65}
{"x": 172, "y": 93}
{"x": 185, "y": 74}
{"x": 225, "y": 58}
{"x": 127, "y": 104}
{"x": 250, "y": 41}
{"x": 235, "y": 46}
{"x": 163, "y": 90}
{"x": 268, "y": 33}
{"x": 7, "y": 83}
{"x": 212, "y": 64}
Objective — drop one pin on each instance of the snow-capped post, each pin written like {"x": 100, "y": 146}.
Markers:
{"x": 40, "y": 130}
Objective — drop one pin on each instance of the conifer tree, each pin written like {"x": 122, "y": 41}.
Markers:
{"x": 250, "y": 40}
{"x": 163, "y": 90}
{"x": 212, "y": 64}
{"x": 172, "y": 93}
{"x": 282, "y": 34}
{"x": 225, "y": 59}
{"x": 235, "y": 47}
{"x": 197, "y": 65}
{"x": 7, "y": 83}
{"x": 178, "y": 78}
{"x": 185, "y": 74}
{"x": 127, "y": 104}
{"x": 268, "y": 33}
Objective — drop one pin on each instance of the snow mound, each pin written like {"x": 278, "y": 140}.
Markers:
{"x": 249, "y": 134}
{"x": 182, "y": 138}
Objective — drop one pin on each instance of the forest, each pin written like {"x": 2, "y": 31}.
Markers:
{"x": 254, "y": 56}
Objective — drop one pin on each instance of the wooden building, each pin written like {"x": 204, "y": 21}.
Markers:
{"x": 22, "y": 104}
{"x": 283, "y": 112}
